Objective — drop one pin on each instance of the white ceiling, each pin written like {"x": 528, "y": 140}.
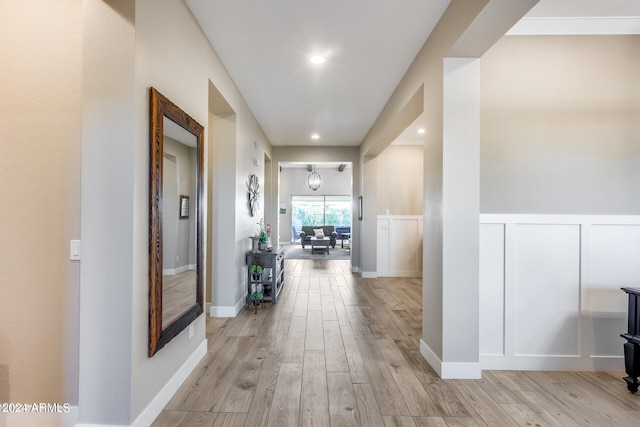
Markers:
{"x": 368, "y": 44}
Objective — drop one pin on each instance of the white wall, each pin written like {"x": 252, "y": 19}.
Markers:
{"x": 109, "y": 156}
{"x": 179, "y": 179}
{"x": 401, "y": 191}
{"x": 560, "y": 128}
{"x": 293, "y": 182}
{"x": 221, "y": 176}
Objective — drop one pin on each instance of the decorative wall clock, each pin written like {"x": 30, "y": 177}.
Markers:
{"x": 254, "y": 195}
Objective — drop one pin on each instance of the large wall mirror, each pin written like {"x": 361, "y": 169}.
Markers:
{"x": 175, "y": 221}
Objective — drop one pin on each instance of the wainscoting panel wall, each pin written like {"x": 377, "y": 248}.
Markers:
{"x": 399, "y": 246}
{"x": 550, "y": 295}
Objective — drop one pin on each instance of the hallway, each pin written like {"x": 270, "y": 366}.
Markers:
{"x": 339, "y": 350}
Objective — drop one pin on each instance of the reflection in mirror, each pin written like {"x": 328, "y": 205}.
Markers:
{"x": 178, "y": 231}
{"x": 175, "y": 221}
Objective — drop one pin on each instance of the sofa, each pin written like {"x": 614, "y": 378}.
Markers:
{"x": 307, "y": 233}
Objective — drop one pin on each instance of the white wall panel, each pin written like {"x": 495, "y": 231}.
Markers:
{"x": 546, "y": 289}
{"x": 492, "y": 289}
{"x": 613, "y": 263}
{"x": 382, "y": 254}
{"x": 399, "y": 246}
{"x": 550, "y": 295}
{"x": 404, "y": 249}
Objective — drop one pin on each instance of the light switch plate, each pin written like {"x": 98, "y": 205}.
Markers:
{"x": 74, "y": 250}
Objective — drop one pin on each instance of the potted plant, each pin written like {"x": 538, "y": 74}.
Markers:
{"x": 256, "y": 271}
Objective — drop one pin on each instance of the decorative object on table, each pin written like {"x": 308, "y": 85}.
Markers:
{"x": 263, "y": 237}
{"x": 314, "y": 180}
{"x": 254, "y": 194}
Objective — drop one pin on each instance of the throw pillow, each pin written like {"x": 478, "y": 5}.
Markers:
{"x": 319, "y": 233}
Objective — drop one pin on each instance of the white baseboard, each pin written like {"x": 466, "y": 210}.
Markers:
{"x": 431, "y": 358}
{"x": 227, "y": 311}
{"x": 368, "y": 274}
{"x": 450, "y": 370}
{"x": 552, "y": 363}
{"x": 399, "y": 274}
{"x": 179, "y": 270}
{"x": 151, "y": 412}
{"x": 37, "y": 419}
{"x": 153, "y": 409}
{"x": 71, "y": 418}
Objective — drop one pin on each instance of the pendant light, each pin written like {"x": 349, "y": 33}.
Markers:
{"x": 314, "y": 179}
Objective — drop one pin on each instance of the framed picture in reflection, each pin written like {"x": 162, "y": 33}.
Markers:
{"x": 184, "y": 207}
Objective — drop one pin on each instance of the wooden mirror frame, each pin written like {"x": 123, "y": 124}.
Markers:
{"x": 159, "y": 108}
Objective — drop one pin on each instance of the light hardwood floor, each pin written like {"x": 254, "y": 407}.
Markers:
{"x": 178, "y": 295}
{"x": 339, "y": 350}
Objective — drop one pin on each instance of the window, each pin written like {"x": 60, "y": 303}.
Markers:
{"x": 320, "y": 210}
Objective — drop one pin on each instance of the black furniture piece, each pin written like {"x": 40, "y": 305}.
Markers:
{"x": 632, "y": 346}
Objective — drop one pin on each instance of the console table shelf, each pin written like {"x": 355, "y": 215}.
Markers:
{"x": 272, "y": 278}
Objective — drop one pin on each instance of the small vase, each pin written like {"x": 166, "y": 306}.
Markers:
{"x": 254, "y": 241}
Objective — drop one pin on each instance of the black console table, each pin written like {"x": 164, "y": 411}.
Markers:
{"x": 632, "y": 346}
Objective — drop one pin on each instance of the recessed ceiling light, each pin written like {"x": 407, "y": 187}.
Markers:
{"x": 421, "y": 131}
{"x": 315, "y": 136}
{"x": 316, "y": 59}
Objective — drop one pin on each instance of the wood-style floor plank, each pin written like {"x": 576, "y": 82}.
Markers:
{"x": 382, "y": 382}
{"x": 285, "y": 408}
{"x": 314, "y": 401}
{"x": 200, "y": 419}
{"x": 343, "y": 407}
{"x": 335, "y": 356}
{"x": 415, "y": 396}
{"x": 398, "y": 421}
{"x": 265, "y": 389}
{"x": 314, "y": 337}
{"x": 339, "y": 350}
{"x": 240, "y": 395}
{"x": 368, "y": 405}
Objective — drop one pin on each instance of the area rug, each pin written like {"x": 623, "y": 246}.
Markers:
{"x": 296, "y": 252}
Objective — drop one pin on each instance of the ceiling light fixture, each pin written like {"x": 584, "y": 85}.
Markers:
{"x": 314, "y": 179}
{"x": 421, "y": 131}
{"x": 315, "y": 136}
{"x": 316, "y": 59}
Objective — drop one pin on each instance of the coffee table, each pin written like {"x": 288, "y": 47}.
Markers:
{"x": 320, "y": 243}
